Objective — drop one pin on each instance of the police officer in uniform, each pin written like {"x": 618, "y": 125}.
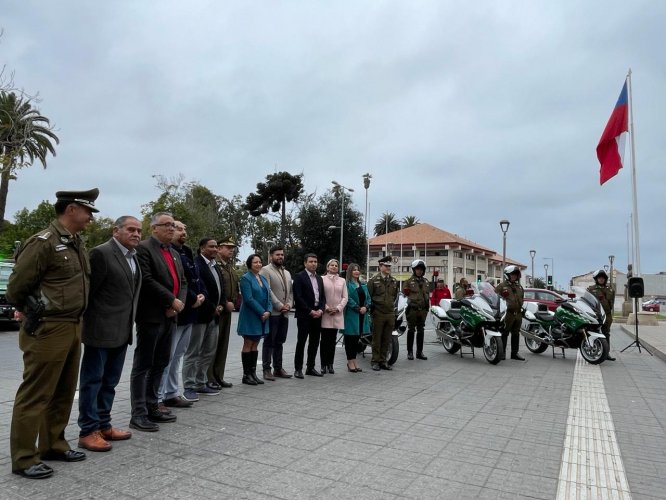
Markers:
{"x": 512, "y": 292}
{"x": 462, "y": 289}
{"x": 225, "y": 254}
{"x": 49, "y": 286}
{"x": 606, "y": 296}
{"x": 383, "y": 289}
{"x": 417, "y": 291}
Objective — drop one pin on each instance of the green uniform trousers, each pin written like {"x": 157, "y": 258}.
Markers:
{"x": 512, "y": 323}
{"x": 217, "y": 367}
{"x": 416, "y": 319}
{"x": 382, "y": 328}
{"x": 44, "y": 399}
{"x": 605, "y": 328}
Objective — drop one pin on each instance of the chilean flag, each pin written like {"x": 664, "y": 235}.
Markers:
{"x": 610, "y": 149}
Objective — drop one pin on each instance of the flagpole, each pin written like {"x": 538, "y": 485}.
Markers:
{"x": 637, "y": 262}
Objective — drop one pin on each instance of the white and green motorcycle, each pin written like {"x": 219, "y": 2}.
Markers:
{"x": 576, "y": 324}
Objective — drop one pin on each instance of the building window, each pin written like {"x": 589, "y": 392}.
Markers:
{"x": 481, "y": 259}
{"x": 470, "y": 272}
{"x": 458, "y": 255}
{"x": 374, "y": 269}
{"x": 408, "y": 253}
{"x": 374, "y": 254}
{"x": 406, "y": 269}
{"x": 445, "y": 262}
{"x": 458, "y": 270}
{"x": 469, "y": 256}
{"x": 440, "y": 253}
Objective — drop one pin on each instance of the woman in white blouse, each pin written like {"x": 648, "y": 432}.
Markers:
{"x": 335, "y": 289}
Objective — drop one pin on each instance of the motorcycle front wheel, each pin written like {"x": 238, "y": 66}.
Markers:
{"x": 450, "y": 346}
{"x": 493, "y": 350}
{"x": 394, "y": 349}
{"x": 535, "y": 346}
{"x": 596, "y": 353}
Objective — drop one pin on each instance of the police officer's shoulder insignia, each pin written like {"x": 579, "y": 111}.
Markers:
{"x": 60, "y": 248}
{"x": 45, "y": 235}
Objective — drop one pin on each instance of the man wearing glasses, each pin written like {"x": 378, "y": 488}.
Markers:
{"x": 162, "y": 297}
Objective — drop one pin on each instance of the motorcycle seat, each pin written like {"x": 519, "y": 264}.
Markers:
{"x": 454, "y": 313}
{"x": 544, "y": 315}
{"x": 456, "y": 304}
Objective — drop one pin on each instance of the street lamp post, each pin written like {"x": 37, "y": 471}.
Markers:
{"x": 552, "y": 271}
{"x": 532, "y": 255}
{"x": 504, "y": 226}
{"x": 366, "y": 185}
{"x": 611, "y": 258}
{"x": 341, "y": 189}
{"x": 269, "y": 244}
{"x": 545, "y": 266}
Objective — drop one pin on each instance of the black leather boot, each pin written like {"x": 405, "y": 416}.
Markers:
{"x": 247, "y": 378}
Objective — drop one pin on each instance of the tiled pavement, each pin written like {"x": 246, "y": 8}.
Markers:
{"x": 444, "y": 428}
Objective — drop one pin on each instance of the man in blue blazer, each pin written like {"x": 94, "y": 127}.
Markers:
{"x": 310, "y": 304}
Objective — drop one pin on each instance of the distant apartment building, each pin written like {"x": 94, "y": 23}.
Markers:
{"x": 447, "y": 256}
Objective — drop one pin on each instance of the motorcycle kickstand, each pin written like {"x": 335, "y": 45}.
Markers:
{"x": 556, "y": 355}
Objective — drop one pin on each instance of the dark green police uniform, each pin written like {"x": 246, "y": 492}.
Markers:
{"x": 417, "y": 291}
{"x": 606, "y": 296}
{"x": 383, "y": 294}
{"x": 53, "y": 266}
{"x": 512, "y": 292}
{"x": 231, "y": 291}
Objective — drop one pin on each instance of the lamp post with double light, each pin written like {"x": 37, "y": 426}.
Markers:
{"x": 337, "y": 187}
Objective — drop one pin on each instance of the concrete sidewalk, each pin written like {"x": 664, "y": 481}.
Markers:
{"x": 651, "y": 337}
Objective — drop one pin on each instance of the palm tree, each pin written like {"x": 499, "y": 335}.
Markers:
{"x": 25, "y": 136}
{"x": 387, "y": 223}
{"x": 273, "y": 195}
{"x": 410, "y": 220}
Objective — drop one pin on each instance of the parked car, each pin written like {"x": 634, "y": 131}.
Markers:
{"x": 550, "y": 299}
{"x": 653, "y": 306}
{"x": 6, "y": 309}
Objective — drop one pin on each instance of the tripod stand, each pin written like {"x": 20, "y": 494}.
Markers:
{"x": 637, "y": 342}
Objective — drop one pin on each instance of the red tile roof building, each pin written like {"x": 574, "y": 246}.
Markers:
{"x": 446, "y": 254}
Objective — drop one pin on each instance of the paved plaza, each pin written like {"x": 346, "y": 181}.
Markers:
{"x": 444, "y": 428}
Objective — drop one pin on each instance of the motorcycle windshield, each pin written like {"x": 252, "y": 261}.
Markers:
{"x": 590, "y": 300}
{"x": 487, "y": 291}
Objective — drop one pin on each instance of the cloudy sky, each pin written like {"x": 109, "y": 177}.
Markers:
{"x": 465, "y": 113}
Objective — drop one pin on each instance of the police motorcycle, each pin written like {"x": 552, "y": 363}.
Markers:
{"x": 575, "y": 324}
{"x": 400, "y": 327}
{"x": 473, "y": 322}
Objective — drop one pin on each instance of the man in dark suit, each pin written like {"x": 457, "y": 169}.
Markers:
{"x": 115, "y": 280}
{"x": 310, "y": 303}
{"x": 162, "y": 296}
{"x": 203, "y": 343}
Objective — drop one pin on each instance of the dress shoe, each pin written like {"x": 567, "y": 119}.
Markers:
{"x": 331, "y": 370}
{"x": 248, "y": 379}
{"x": 178, "y": 402}
{"x": 190, "y": 395}
{"x": 358, "y": 369}
{"x": 313, "y": 372}
{"x": 298, "y": 374}
{"x": 268, "y": 375}
{"x": 353, "y": 370}
{"x": 517, "y": 356}
{"x": 609, "y": 357}
{"x": 143, "y": 424}
{"x": 323, "y": 369}
{"x": 163, "y": 409}
{"x": 281, "y": 373}
{"x": 64, "y": 456}
{"x": 158, "y": 416}
{"x": 375, "y": 367}
{"x": 37, "y": 471}
{"x": 115, "y": 434}
{"x": 94, "y": 442}
{"x": 225, "y": 385}
{"x": 384, "y": 366}
{"x": 419, "y": 355}
{"x": 214, "y": 385}
{"x": 410, "y": 356}
{"x": 207, "y": 390}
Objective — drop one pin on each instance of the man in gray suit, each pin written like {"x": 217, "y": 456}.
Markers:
{"x": 162, "y": 297}
{"x": 115, "y": 280}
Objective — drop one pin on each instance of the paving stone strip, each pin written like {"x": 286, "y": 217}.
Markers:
{"x": 591, "y": 462}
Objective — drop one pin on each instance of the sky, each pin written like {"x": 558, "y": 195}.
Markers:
{"x": 464, "y": 113}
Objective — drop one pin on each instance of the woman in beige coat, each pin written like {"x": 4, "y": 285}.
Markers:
{"x": 335, "y": 289}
